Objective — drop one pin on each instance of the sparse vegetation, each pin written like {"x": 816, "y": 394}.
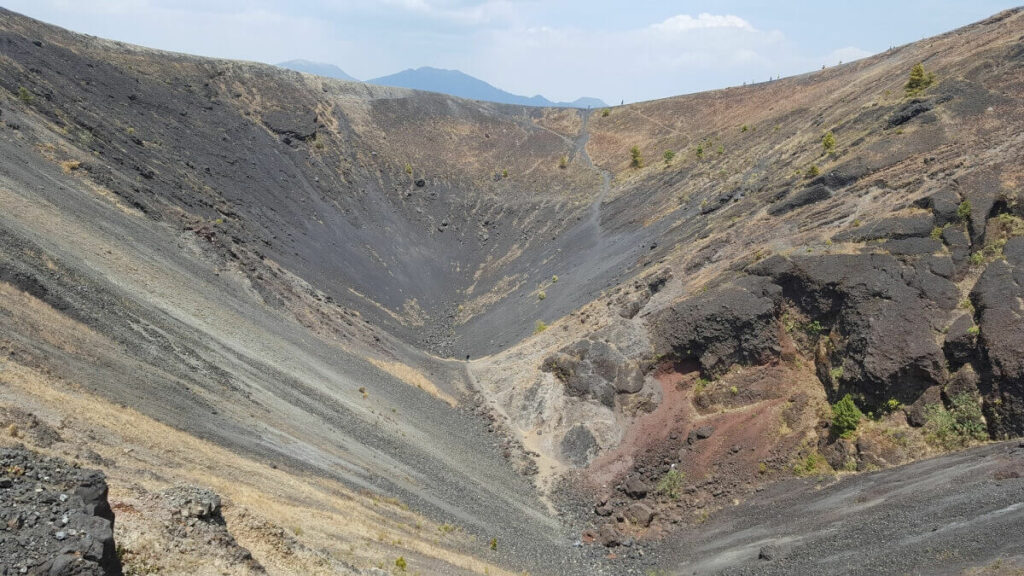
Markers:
{"x": 700, "y": 151}
{"x": 828, "y": 142}
{"x": 504, "y": 173}
{"x": 668, "y": 155}
{"x": 605, "y": 113}
{"x": 636, "y": 160}
{"x": 963, "y": 211}
{"x": 974, "y": 330}
{"x": 401, "y": 564}
{"x": 956, "y": 427}
{"x": 919, "y": 80}
{"x": 408, "y": 169}
{"x": 808, "y": 464}
{"x": 539, "y": 327}
{"x": 69, "y": 166}
{"x": 845, "y": 417}
{"x": 812, "y": 172}
{"x": 744, "y": 128}
{"x": 836, "y": 373}
{"x": 494, "y": 543}
{"x": 671, "y": 484}
{"x": 554, "y": 279}
{"x": 541, "y": 295}
{"x": 24, "y": 95}
{"x": 563, "y": 162}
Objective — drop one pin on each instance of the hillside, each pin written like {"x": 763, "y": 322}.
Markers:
{"x": 400, "y": 331}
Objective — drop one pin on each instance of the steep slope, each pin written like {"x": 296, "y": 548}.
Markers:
{"x": 265, "y": 282}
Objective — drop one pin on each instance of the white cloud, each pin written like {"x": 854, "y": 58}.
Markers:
{"x": 684, "y": 22}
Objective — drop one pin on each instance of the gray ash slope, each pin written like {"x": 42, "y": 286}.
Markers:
{"x": 246, "y": 253}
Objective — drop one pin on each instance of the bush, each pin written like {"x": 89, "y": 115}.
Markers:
{"x": 605, "y": 113}
{"x": 563, "y": 162}
{"x": 956, "y": 427}
{"x": 671, "y": 484}
{"x": 494, "y": 543}
{"x": 963, "y": 211}
{"x": 541, "y": 295}
{"x": 919, "y": 80}
{"x": 408, "y": 169}
{"x": 637, "y": 161}
{"x": 813, "y": 171}
{"x": 845, "y": 417}
{"x": 828, "y": 142}
{"x": 401, "y": 564}
{"x": 539, "y": 327}
{"x": 668, "y": 156}
{"x": 744, "y": 128}
{"x": 700, "y": 151}
{"x": 24, "y": 95}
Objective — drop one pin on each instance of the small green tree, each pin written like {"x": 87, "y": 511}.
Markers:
{"x": 919, "y": 80}
{"x": 845, "y": 416}
{"x": 671, "y": 484}
{"x": 637, "y": 161}
{"x": 828, "y": 142}
{"x": 668, "y": 156}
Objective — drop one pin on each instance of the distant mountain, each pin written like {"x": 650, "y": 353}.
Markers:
{"x": 318, "y": 68}
{"x": 463, "y": 85}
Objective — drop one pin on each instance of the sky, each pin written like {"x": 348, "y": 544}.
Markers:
{"x": 627, "y": 50}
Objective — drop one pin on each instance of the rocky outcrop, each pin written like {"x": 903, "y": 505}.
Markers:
{"x": 56, "y": 519}
{"x": 997, "y": 298}
{"x": 879, "y": 315}
{"x": 595, "y": 369}
{"x": 729, "y": 324}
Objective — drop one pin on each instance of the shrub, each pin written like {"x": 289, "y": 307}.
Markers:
{"x": 668, "y": 156}
{"x": 836, "y": 373}
{"x": 408, "y": 169}
{"x": 401, "y": 564}
{"x": 24, "y": 95}
{"x": 671, "y": 484}
{"x": 828, "y": 142}
{"x": 807, "y": 465}
{"x": 744, "y": 128}
{"x": 494, "y": 543}
{"x": 700, "y": 151}
{"x": 845, "y": 417}
{"x": 554, "y": 279}
{"x": 812, "y": 171}
{"x": 563, "y": 162}
{"x": 918, "y": 80}
{"x": 605, "y": 113}
{"x": 541, "y": 295}
{"x": 504, "y": 173}
{"x": 963, "y": 211}
{"x": 636, "y": 160}
{"x": 974, "y": 330}
{"x": 956, "y": 427}
{"x": 539, "y": 327}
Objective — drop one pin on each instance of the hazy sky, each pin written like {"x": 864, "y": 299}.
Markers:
{"x": 628, "y": 49}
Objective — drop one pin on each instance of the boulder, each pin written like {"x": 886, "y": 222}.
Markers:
{"x": 895, "y": 227}
{"x": 636, "y": 488}
{"x": 961, "y": 344}
{"x": 729, "y": 324}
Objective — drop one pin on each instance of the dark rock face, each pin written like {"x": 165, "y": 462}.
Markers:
{"x": 730, "y": 324}
{"x": 909, "y": 111}
{"x": 294, "y": 123}
{"x": 895, "y": 227}
{"x": 815, "y": 193}
{"x": 943, "y": 205}
{"x": 997, "y": 296}
{"x": 579, "y": 445}
{"x": 57, "y": 518}
{"x": 595, "y": 369}
{"x": 961, "y": 344}
{"x": 881, "y": 311}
